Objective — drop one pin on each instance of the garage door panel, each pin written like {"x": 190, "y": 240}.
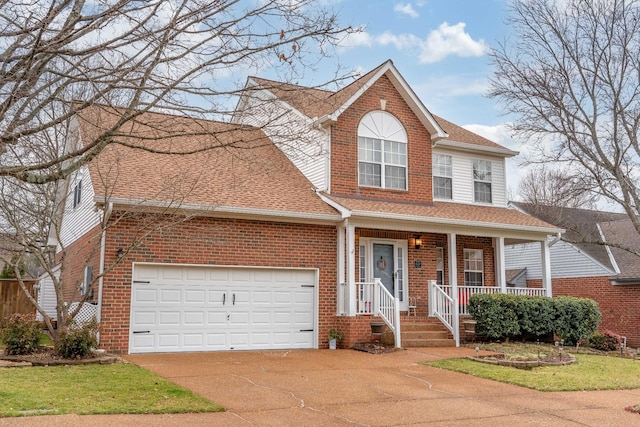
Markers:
{"x": 190, "y": 308}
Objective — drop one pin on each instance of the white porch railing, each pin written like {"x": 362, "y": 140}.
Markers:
{"x": 441, "y": 305}
{"x": 465, "y": 292}
{"x": 375, "y": 299}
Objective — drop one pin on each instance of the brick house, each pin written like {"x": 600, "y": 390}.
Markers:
{"x": 583, "y": 267}
{"x": 318, "y": 210}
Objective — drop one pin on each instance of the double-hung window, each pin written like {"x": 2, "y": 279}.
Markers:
{"x": 473, "y": 267}
{"x": 382, "y": 152}
{"x": 482, "y": 181}
{"x": 442, "y": 181}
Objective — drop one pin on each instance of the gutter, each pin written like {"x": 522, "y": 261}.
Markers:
{"x": 556, "y": 240}
{"x": 103, "y": 244}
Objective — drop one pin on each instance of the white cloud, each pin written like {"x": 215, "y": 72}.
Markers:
{"x": 450, "y": 40}
{"x": 447, "y": 40}
{"x": 406, "y": 8}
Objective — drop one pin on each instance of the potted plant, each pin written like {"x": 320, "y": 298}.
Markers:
{"x": 334, "y": 336}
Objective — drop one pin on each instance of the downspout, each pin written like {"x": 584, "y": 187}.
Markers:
{"x": 103, "y": 244}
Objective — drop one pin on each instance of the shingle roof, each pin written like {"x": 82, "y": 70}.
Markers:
{"x": 445, "y": 212}
{"x": 581, "y": 226}
{"x": 236, "y": 167}
{"x": 314, "y": 102}
{"x": 623, "y": 233}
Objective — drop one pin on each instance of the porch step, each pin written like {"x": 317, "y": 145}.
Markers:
{"x": 428, "y": 334}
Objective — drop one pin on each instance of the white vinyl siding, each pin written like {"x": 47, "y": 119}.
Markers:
{"x": 566, "y": 261}
{"x": 47, "y": 295}
{"x": 291, "y": 131}
{"x": 462, "y": 177}
{"x": 79, "y": 219}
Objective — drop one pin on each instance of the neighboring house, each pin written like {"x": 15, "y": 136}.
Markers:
{"x": 582, "y": 266}
{"x": 342, "y": 208}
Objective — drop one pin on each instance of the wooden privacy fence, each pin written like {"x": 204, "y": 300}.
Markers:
{"x": 13, "y": 300}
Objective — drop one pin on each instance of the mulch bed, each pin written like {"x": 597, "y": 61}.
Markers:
{"x": 46, "y": 357}
{"x": 374, "y": 348}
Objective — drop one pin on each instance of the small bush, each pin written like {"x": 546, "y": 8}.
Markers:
{"x": 608, "y": 341}
{"x": 21, "y": 334}
{"x": 77, "y": 341}
{"x": 495, "y": 315}
{"x": 575, "y": 318}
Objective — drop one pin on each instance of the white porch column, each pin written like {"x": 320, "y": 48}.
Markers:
{"x": 453, "y": 282}
{"x": 501, "y": 279}
{"x": 340, "y": 286}
{"x": 546, "y": 268}
{"x": 351, "y": 268}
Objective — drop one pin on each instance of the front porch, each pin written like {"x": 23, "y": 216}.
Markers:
{"x": 445, "y": 303}
{"x": 390, "y": 278}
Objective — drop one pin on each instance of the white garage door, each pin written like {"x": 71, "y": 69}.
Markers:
{"x": 188, "y": 308}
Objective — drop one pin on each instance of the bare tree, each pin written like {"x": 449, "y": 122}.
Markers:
{"x": 189, "y": 58}
{"x": 544, "y": 186}
{"x": 570, "y": 77}
{"x": 60, "y": 56}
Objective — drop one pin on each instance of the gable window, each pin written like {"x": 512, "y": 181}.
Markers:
{"x": 77, "y": 193}
{"x": 442, "y": 181}
{"x": 482, "y": 181}
{"x": 473, "y": 267}
{"x": 382, "y": 152}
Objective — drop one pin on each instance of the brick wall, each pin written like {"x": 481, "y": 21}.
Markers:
{"x": 619, "y": 305}
{"x": 344, "y": 147}
{"x": 83, "y": 252}
{"x": 215, "y": 241}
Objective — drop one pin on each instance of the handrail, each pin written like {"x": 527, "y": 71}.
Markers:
{"x": 441, "y": 305}
{"x": 372, "y": 298}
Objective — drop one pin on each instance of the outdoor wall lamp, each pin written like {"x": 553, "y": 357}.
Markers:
{"x": 415, "y": 242}
{"x": 120, "y": 252}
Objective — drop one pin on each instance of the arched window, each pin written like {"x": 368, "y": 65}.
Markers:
{"x": 382, "y": 151}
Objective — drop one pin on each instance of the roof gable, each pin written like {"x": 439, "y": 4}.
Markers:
{"x": 166, "y": 160}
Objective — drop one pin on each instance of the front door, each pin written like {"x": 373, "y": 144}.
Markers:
{"x": 386, "y": 261}
{"x": 383, "y": 266}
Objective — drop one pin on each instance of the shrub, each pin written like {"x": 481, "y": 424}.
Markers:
{"x": 21, "y": 334}
{"x": 575, "y": 318}
{"x": 608, "y": 341}
{"x": 500, "y": 316}
{"x": 76, "y": 342}
{"x": 495, "y": 314}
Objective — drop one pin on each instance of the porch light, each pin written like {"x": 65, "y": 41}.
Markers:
{"x": 415, "y": 242}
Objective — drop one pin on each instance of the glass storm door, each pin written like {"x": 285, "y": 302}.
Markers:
{"x": 383, "y": 266}
{"x": 388, "y": 266}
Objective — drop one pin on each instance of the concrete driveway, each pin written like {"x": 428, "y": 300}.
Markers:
{"x": 346, "y": 387}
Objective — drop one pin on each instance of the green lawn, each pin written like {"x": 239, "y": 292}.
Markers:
{"x": 590, "y": 373}
{"x": 119, "y": 388}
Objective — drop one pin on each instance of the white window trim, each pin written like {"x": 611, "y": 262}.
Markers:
{"x": 438, "y": 175}
{"x": 393, "y": 131}
{"x": 484, "y": 181}
{"x": 464, "y": 261}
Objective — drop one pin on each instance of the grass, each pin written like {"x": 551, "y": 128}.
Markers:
{"x": 119, "y": 388}
{"x": 591, "y": 372}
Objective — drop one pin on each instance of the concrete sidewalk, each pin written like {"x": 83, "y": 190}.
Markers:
{"x": 346, "y": 387}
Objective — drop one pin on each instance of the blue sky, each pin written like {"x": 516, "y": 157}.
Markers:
{"x": 440, "y": 47}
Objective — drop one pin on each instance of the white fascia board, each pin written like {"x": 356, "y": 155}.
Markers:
{"x": 219, "y": 210}
{"x": 455, "y": 222}
{"x": 614, "y": 264}
{"x": 465, "y": 146}
{"x": 345, "y": 212}
{"x": 404, "y": 89}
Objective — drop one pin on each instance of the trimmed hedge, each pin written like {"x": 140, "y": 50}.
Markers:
{"x": 501, "y": 316}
